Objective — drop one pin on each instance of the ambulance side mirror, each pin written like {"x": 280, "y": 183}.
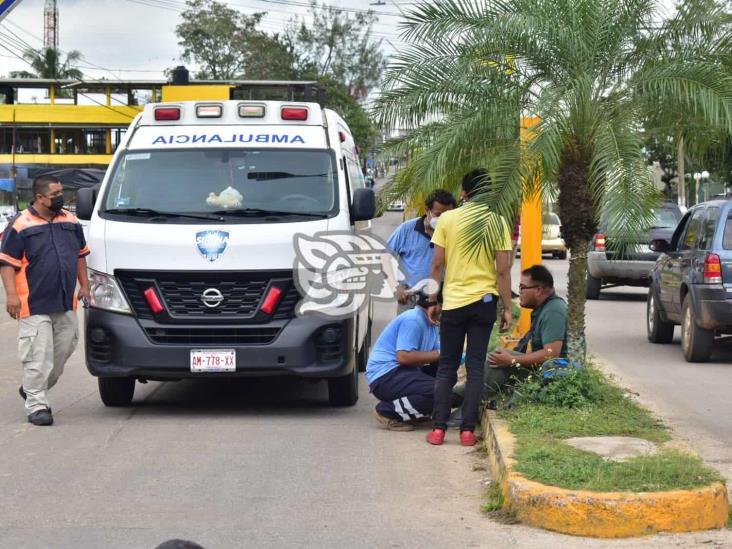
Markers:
{"x": 85, "y": 199}
{"x": 364, "y": 205}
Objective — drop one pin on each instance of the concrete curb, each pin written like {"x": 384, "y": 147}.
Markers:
{"x": 598, "y": 514}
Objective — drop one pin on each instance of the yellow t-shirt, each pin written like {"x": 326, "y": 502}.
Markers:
{"x": 468, "y": 276}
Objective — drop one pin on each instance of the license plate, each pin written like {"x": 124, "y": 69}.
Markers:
{"x": 213, "y": 360}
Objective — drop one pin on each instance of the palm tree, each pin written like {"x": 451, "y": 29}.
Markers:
{"x": 595, "y": 73}
{"x": 47, "y": 63}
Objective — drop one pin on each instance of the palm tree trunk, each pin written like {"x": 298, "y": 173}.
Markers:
{"x": 576, "y": 292}
{"x": 680, "y": 178}
{"x": 577, "y": 212}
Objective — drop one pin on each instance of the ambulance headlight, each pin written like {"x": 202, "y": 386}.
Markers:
{"x": 106, "y": 293}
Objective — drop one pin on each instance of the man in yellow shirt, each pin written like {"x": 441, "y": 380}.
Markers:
{"x": 472, "y": 285}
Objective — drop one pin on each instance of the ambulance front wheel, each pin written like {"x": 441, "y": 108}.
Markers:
{"x": 343, "y": 391}
{"x": 116, "y": 391}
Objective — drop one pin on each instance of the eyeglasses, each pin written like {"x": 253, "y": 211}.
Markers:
{"x": 522, "y": 287}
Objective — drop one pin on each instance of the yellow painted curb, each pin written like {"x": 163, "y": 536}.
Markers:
{"x": 599, "y": 514}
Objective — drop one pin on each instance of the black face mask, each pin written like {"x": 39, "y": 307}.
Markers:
{"x": 57, "y": 202}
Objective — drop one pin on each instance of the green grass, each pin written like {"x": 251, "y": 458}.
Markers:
{"x": 616, "y": 416}
{"x": 494, "y": 498}
{"x": 553, "y": 462}
{"x": 605, "y": 409}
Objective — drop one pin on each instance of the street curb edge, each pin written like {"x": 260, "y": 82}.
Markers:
{"x": 598, "y": 514}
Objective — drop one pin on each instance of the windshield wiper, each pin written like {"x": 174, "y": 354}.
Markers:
{"x": 256, "y": 212}
{"x": 268, "y": 176}
{"x": 149, "y": 212}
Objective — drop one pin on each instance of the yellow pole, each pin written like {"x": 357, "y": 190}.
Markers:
{"x": 530, "y": 246}
{"x": 53, "y": 141}
{"x": 531, "y": 229}
{"x": 52, "y": 94}
{"x": 108, "y": 141}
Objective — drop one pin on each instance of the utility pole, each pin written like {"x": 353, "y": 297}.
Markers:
{"x": 50, "y": 25}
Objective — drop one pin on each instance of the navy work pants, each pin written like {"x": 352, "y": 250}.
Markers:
{"x": 406, "y": 393}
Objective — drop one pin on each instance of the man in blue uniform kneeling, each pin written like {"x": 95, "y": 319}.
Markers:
{"x": 402, "y": 366}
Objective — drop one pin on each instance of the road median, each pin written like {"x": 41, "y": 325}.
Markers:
{"x": 541, "y": 450}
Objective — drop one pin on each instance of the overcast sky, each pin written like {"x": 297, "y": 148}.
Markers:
{"x": 135, "y": 39}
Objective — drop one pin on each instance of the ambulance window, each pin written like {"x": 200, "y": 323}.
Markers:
{"x": 355, "y": 176}
{"x": 224, "y": 180}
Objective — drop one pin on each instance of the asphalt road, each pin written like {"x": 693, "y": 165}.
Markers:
{"x": 251, "y": 463}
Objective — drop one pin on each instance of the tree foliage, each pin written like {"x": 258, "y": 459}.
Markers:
{"x": 226, "y": 44}
{"x": 352, "y": 112}
{"x": 337, "y": 45}
{"x": 50, "y": 63}
{"x": 594, "y": 74}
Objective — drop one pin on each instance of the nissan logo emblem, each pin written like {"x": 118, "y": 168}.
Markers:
{"x": 212, "y": 298}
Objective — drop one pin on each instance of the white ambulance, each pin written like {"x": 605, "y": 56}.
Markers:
{"x": 192, "y": 247}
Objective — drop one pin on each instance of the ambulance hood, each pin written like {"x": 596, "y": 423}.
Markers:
{"x": 219, "y": 247}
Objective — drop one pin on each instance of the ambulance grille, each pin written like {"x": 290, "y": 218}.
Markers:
{"x": 181, "y": 293}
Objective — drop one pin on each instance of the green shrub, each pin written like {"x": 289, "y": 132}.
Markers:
{"x": 578, "y": 388}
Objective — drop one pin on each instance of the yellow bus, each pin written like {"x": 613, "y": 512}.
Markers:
{"x": 73, "y": 127}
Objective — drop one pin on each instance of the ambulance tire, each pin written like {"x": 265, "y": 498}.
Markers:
{"x": 343, "y": 391}
{"x": 116, "y": 391}
{"x": 363, "y": 354}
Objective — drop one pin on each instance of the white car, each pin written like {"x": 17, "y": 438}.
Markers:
{"x": 397, "y": 205}
{"x": 6, "y": 214}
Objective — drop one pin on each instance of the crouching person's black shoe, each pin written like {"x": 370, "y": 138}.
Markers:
{"x": 41, "y": 417}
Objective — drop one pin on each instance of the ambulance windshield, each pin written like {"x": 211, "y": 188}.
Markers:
{"x": 227, "y": 182}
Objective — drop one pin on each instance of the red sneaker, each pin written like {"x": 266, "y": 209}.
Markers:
{"x": 436, "y": 436}
{"x": 468, "y": 438}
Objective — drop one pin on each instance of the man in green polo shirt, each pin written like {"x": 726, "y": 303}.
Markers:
{"x": 547, "y": 336}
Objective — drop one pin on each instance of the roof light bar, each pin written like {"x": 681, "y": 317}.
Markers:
{"x": 294, "y": 113}
{"x": 251, "y": 111}
{"x": 209, "y": 111}
{"x": 167, "y": 113}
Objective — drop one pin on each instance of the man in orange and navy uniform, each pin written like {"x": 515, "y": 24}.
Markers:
{"x": 42, "y": 255}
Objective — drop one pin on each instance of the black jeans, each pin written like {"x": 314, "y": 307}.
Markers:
{"x": 474, "y": 321}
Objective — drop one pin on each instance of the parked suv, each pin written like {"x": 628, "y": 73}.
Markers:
{"x": 608, "y": 267}
{"x": 551, "y": 240}
{"x": 691, "y": 283}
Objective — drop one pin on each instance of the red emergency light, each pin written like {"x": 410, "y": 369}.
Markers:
{"x": 271, "y": 300}
{"x": 153, "y": 301}
{"x": 167, "y": 113}
{"x": 294, "y": 113}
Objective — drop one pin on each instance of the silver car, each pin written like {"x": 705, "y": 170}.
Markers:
{"x": 607, "y": 267}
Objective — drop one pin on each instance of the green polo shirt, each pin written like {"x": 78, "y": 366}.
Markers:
{"x": 549, "y": 323}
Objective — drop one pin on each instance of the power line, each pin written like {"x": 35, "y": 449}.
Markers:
{"x": 173, "y": 6}
{"x": 60, "y": 84}
{"x": 86, "y": 62}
